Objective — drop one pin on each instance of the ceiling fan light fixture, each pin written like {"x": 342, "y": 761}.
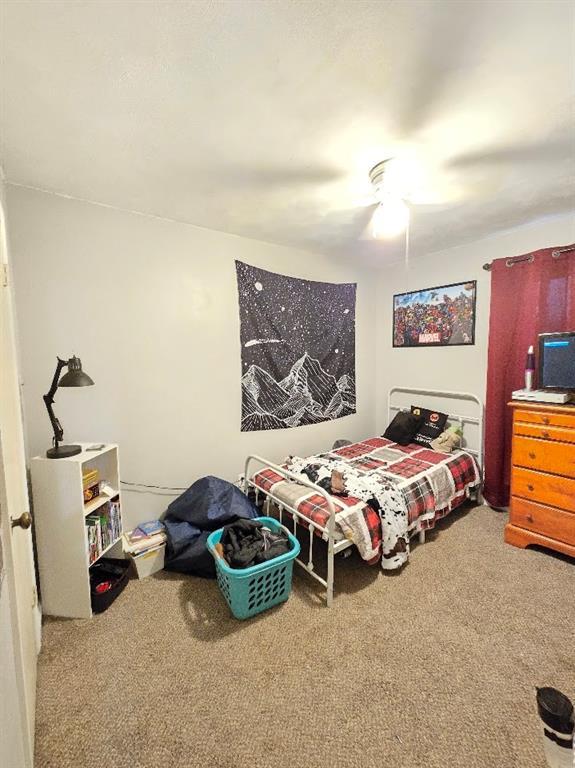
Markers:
{"x": 390, "y": 218}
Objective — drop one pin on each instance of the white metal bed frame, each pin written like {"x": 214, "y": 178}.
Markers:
{"x": 451, "y": 417}
{"x": 328, "y": 531}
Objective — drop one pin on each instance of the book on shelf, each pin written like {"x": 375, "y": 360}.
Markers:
{"x": 89, "y": 477}
{"x": 94, "y": 537}
{"x": 90, "y": 484}
{"x": 91, "y": 492}
{"x": 104, "y": 527}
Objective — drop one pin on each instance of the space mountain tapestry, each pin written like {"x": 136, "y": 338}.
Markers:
{"x": 298, "y": 349}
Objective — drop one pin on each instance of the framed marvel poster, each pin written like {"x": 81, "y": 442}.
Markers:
{"x": 435, "y": 317}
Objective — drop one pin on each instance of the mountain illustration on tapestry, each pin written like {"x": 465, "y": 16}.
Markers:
{"x": 307, "y": 395}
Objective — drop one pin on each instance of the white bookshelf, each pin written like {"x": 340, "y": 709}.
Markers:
{"x": 61, "y": 537}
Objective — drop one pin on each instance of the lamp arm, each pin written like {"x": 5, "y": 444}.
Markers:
{"x": 49, "y": 399}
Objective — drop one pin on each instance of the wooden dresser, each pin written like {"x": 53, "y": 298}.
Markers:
{"x": 542, "y": 507}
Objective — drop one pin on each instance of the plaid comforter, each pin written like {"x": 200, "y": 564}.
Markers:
{"x": 390, "y": 492}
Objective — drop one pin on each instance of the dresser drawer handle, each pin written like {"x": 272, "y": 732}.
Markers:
{"x": 529, "y": 518}
{"x": 530, "y": 487}
{"x": 545, "y": 434}
{"x": 545, "y": 419}
{"x": 531, "y": 455}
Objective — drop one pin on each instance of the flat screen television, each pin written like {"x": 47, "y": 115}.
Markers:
{"x": 557, "y": 361}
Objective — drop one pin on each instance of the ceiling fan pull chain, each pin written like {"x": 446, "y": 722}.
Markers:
{"x": 407, "y": 252}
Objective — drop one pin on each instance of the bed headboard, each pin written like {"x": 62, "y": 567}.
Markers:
{"x": 474, "y": 446}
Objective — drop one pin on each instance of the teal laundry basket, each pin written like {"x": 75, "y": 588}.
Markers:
{"x": 249, "y": 591}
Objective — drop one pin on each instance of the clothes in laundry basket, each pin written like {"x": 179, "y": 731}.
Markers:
{"x": 248, "y": 542}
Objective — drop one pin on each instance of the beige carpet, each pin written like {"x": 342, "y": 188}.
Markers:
{"x": 435, "y": 666}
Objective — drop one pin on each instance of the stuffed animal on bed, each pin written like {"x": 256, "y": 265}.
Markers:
{"x": 334, "y": 483}
{"x": 449, "y": 440}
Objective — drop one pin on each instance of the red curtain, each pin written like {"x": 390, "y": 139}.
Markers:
{"x": 530, "y": 294}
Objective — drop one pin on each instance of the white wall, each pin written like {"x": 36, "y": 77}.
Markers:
{"x": 455, "y": 368}
{"x": 150, "y": 306}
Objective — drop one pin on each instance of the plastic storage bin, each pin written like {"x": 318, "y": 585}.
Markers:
{"x": 149, "y": 562}
{"x": 249, "y": 591}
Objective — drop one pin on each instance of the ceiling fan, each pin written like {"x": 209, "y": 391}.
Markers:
{"x": 405, "y": 181}
{"x": 398, "y": 184}
{"x": 413, "y": 176}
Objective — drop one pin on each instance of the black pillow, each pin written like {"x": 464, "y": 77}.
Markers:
{"x": 433, "y": 425}
{"x": 403, "y": 427}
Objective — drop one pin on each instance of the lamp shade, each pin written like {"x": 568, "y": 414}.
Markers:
{"x": 75, "y": 376}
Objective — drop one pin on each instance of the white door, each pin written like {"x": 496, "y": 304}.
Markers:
{"x": 20, "y": 636}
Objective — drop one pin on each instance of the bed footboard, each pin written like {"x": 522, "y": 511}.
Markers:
{"x": 333, "y": 547}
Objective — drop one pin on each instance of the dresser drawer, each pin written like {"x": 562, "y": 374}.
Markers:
{"x": 545, "y": 456}
{"x": 538, "y": 518}
{"x": 561, "y": 434}
{"x": 544, "y": 488}
{"x": 546, "y": 418}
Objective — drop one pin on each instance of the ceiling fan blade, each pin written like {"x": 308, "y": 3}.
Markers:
{"x": 365, "y": 201}
{"x": 342, "y": 224}
{"x": 556, "y": 150}
{"x": 354, "y": 220}
{"x": 361, "y": 218}
{"x": 448, "y": 46}
{"x": 367, "y": 230}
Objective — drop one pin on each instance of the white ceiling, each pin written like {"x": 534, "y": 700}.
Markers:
{"x": 262, "y": 117}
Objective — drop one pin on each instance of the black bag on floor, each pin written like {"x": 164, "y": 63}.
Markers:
{"x": 208, "y": 504}
{"x": 108, "y": 578}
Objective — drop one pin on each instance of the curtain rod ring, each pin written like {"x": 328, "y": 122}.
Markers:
{"x": 530, "y": 257}
{"x": 560, "y": 251}
{"x": 519, "y": 260}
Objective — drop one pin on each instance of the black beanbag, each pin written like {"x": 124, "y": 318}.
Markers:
{"x": 210, "y": 503}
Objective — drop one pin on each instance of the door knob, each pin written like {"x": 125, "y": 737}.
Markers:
{"x": 24, "y": 521}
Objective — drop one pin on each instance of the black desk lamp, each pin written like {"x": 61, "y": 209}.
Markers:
{"x": 75, "y": 377}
